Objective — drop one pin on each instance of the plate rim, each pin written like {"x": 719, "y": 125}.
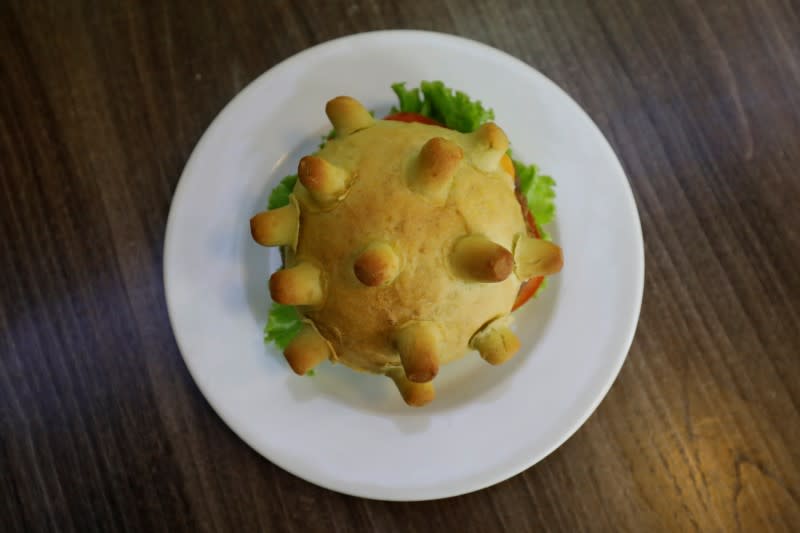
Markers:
{"x": 490, "y": 478}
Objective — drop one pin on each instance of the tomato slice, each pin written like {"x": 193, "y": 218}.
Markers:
{"x": 531, "y": 286}
{"x": 408, "y": 116}
{"x": 533, "y": 230}
{"x": 527, "y": 291}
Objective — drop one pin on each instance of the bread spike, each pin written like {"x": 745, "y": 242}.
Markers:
{"x": 377, "y": 265}
{"x": 496, "y": 342}
{"x": 492, "y": 144}
{"x": 277, "y": 227}
{"x": 414, "y": 394}
{"x": 476, "y": 258}
{"x": 419, "y": 344}
{"x": 436, "y": 165}
{"x": 536, "y": 257}
{"x": 326, "y": 182}
{"x": 298, "y": 285}
{"x": 347, "y": 115}
{"x": 307, "y": 349}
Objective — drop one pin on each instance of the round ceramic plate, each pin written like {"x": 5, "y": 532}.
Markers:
{"x": 352, "y": 432}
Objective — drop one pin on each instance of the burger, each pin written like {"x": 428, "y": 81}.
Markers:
{"x": 406, "y": 241}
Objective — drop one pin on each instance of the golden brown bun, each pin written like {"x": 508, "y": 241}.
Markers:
{"x": 404, "y": 246}
{"x": 361, "y": 321}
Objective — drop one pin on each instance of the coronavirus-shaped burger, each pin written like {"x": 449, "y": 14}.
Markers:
{"x": 404, "y": 246}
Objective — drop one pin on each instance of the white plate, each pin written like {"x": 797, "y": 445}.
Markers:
{"x": 352, "y": 432}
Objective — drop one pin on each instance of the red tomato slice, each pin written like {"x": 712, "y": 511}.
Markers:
{"x": 532, "y": 285}
{"x": 527, "y": 291}
{"x": 533, "y": 231}
{"x": 412, "y": 117}
{"x": 529, "y": 287}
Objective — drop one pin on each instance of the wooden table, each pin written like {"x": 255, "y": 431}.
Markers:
{"x": 102, "y": 427}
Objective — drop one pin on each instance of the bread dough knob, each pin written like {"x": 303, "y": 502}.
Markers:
{"x": 436, "y": 165}
{"x": 377, "y": 265}
{"x": 414, "y": 394}
{"x": 419, "y": 344}
{"x": 298, "y": 285}
{"x": 496, "y": 342}
{"x": 347, "y": 115}
{"x": 491, "y": 144}
{"x": 536, "y": 257}
{"x": 326, "y": 182}
{"x": 277, "y": 227}
{"x": 476, "y": 258}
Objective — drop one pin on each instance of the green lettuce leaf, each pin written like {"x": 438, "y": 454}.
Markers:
{"x": 539, "y": 191}
{"x": 283, "y": 324}
{"x": 283, "y": 321}
{"x": 410, "y": 101}
{"x": 279, "y": 196}
{"x": 452, "y": 108}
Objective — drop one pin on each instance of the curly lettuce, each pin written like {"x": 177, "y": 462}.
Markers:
{"x": 434, "y": 100}
{"x": 279, "y": 196}
{"x": 283, "y": 323}
{"x": 539, "y": 191}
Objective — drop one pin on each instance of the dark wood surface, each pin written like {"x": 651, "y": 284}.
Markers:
{"x": 101, "y": 427}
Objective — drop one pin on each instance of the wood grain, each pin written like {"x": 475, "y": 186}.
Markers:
{"x": 102, "y": 427}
